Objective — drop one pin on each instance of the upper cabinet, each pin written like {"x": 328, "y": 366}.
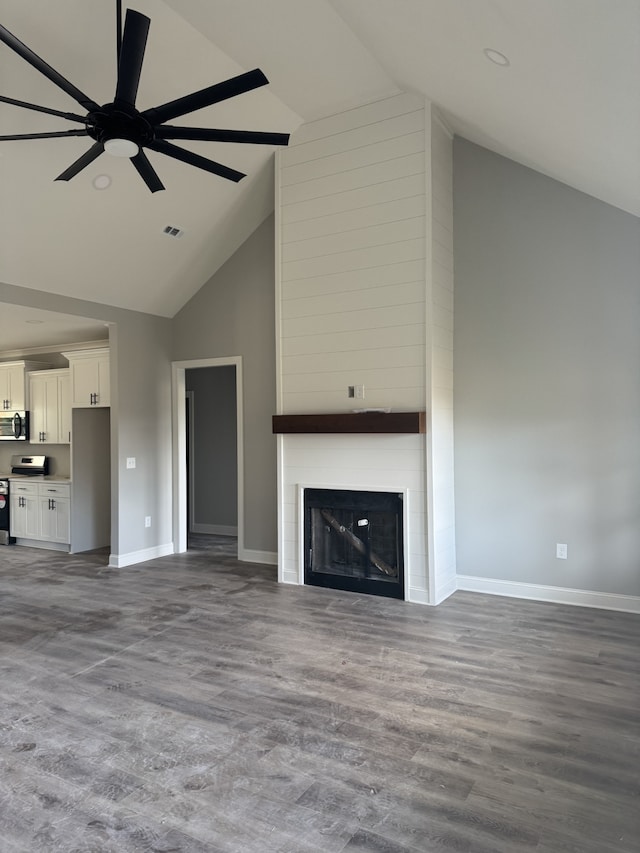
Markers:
{"x": 90, "y": 378}
{"x": 50, "y": 406}
{"x": 13, "y": 384}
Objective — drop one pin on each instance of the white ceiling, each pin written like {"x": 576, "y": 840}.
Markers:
{"x": 568, "y": 105}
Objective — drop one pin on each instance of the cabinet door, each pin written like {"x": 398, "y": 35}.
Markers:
{"x": 44, "y": 427}
{"x": 38, "y": 413}
{"x": 64, "y": 409}
{"x": 104, "y": 379}
{"x": 24, "y": 521}
{"x": 12, "y": 396}
{"x": 4, "y": 388}
{"x": 55, "y": 519}
{"x": 84, "y": 373}
{"x": 90, "y": 382}
{"x": 16, "y": 377}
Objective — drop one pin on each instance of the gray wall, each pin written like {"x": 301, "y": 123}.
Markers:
{"x": 233, "y": 314}
{"x": 214, "y": 458}
{"x": 547, "y": 395}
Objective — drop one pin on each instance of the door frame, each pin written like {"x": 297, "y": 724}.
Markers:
{"x": 178, "y": 393}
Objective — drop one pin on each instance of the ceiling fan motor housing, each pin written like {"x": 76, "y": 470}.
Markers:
{"x": 119, "y": 122}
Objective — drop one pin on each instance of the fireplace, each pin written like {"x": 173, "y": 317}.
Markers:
{"x": 353, "y": 540}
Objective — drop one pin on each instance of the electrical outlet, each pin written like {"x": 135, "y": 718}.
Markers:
{"x": 131, "y": 461}
{"x": 147, "y": 521}
{"x": 561, "y": 551}
{"x": 359, "y": 392}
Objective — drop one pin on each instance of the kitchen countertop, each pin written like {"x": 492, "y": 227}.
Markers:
{"x": 39, "y": 478}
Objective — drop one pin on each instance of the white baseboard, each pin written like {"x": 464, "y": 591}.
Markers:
{"x": 118, "y": 561}
{"x": 215, "y": 529}
{"x": 41, "y": 543}
{"x": 555, "y": 594}
{"x": 446, "y": 589}
{"x": 247, "y": 555}
{"x": 417, "y": 596}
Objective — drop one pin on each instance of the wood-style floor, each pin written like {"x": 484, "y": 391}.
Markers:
{"x": 193, "y": 704}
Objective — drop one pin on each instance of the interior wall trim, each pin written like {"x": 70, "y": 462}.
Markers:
{"x": 119, "y": 561}
{"x": 555, "y": 594}
{"x": 249, "y": 555}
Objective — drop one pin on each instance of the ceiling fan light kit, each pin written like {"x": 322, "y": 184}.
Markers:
{"x": 120, "y": 129}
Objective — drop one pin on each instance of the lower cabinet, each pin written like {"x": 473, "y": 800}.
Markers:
{"x": 41, "y": 511}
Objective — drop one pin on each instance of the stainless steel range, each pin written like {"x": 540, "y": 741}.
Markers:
{"x": 26, "y": 466}
{"x": 30, "y": 466}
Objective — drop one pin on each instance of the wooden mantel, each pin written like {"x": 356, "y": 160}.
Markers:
{"x": 352, "y": 422}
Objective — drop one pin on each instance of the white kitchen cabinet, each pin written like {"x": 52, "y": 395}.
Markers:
{"x": 54, "y": 513}
{"x": 25, "y": 522}
{"x": 50, "y": 407}
{"x": 90, "y": 378}
{"x": 41, "y": 512}
{"x": 13, "y": 390}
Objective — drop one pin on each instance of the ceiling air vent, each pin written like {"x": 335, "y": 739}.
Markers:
{"x": 172, "y": 231}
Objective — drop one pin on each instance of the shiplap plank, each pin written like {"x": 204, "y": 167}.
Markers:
{"x": 443, "y": 277}
{"x": 360, "y": 137}
{"x": 397, "y": 231}
{"x": 398, "y": 377}
{"x": 387, "y": 456}
{"x": 395, "y": 398}
{"x": 376, "y": 359}
{"x": 376, "y": 173}
{"x": 442, "y": 255}
{"x": 444, "y": 236}
{"x": 362, "y": 116}
{"x": 442, "y": 296}
{"x": 360, "y": 280}
{"x": 358, "y": 158}
{"x": 385, "y": 317}
{"x": 361, "y": 198}
{"x": 441, "y": 337}
{"x": 364, "y": 339}
{"x": 377, "y": 297}
{"x": 351, "y": 220}
{"x": 391, "y": 253}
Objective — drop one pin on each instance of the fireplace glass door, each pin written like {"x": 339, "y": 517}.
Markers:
{"x": 354, "y": 541}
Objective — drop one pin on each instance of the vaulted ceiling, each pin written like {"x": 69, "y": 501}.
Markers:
{"x": 568, "y": 105}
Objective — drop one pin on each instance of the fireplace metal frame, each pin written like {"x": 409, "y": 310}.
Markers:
{"x": 374, "y": 582}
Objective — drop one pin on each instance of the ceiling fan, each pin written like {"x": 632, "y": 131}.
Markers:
{"x": 122, "y": 130}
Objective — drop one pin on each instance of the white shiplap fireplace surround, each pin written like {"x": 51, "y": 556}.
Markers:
{"x": 364, "y": 296}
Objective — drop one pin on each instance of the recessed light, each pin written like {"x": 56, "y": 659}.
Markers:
{"x": 101, "y": 182}
{"x": 496, "y": 57}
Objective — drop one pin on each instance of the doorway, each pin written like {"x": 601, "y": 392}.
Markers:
{"x": 198, "y": 464}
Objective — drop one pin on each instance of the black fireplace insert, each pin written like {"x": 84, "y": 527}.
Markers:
{"x": 353, "y": 540}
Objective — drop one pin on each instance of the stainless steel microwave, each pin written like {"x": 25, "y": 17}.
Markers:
{"x": 14, "y": 426}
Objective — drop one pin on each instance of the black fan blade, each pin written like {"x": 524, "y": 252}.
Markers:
{"x": 205, "y": 97}
{"x": 134, "y": 41}
{"x": 51, "y": 135}
{"x": 87, "y": 158}
{"x": 195, "y": 160}
{"x": 168, "y": 131}
{"x": 39, "y": 109}
{"x": 44, "y": 68}
{"x": 147, "y": 172}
